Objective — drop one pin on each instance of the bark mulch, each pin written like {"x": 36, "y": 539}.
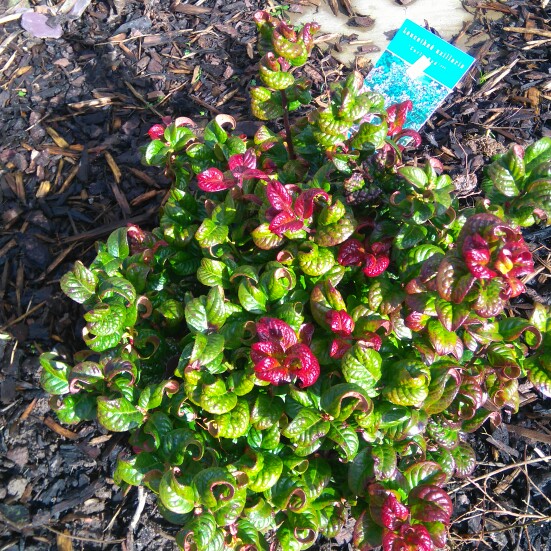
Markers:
{"x": 74, "y": 113}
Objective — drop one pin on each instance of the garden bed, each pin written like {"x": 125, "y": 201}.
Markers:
{"x": 75, "y": 111}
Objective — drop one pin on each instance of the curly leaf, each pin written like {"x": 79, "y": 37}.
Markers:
{"x": 80, "y": 284}
{"x": 342, "y": 399}
{"x": 202, "y": 534}
{"x": 234, "y": 423}
{"x": 177, "y": 497}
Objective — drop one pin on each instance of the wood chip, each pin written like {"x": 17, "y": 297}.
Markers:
{"x": 64, "y": 541}
{"x": 113, "y": 166}
{"x": 57, "y": 428}
{"x": 143, "y": 177}
{"x": 58, "y": 140}
{"x": 189, "y": 9}
{"x": 529, "y": 433}
{"x": 43, "y": 189}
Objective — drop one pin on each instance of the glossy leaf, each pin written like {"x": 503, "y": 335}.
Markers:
{"x": 80, "y": 284}
{"x": 118, "y": 414}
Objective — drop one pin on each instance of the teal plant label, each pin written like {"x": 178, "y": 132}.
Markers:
{"x": 418, "y": 66}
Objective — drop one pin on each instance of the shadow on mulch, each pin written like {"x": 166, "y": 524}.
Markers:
{"x": 75, "y": 112}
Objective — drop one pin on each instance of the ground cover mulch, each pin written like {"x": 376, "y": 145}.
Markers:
{"x": 74, "y": 112}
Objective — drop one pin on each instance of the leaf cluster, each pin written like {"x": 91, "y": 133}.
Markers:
{"x": 313, "y": 327}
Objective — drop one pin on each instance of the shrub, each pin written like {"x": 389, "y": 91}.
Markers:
{"x": 313, "y": 327}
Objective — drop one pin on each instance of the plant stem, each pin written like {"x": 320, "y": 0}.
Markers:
{"x": 285, "y": 105}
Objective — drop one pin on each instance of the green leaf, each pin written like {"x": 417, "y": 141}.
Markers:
{"x": 206, "y": 348}
{"x": 118, "y": 414}
{"x": 133, "y": 469}
{"x": 537, "y": 153}
{"x": 315, "y": 261}
{"x": 342, "y": 399}
{"x": 540, "y": 373}
{"x": 214, "y": 486}
{"x": 234, "y": 423}
{"x": 181, "y": 445}
{"x": 307, "y": 428}
{"x": 54, "y": 378}
{"x": 465, "y": 459}
{"x": 444, "y": 342}
{"x": 424, "y": 472}
{"x": 408, "y": 383}
{"x": 217, "y": 312}
{"x": 269, "y": 474}
{"x": 415, "y": 176}
{"x": 74, "y": 408}
{"x": 202, "y": 534}
{"x": 210, "y": 233}
{"x": 155, "y": 153}
{"x": 252, "y": 298}
{"x": 502, "y": 179}
{"x": 196, "y": 315}
{"x": 361, "y": 365}
{"x": 346, "y": 438}
{"x": 106, "y": 319}
{"x": 173, "y": 312}
{"x": 384, "y": 461}
{"x": 80, "y": 284}
{"x": 335, "y": 233}
{"x": 266, "y": 411}
{"x": 117, "y": 244}
{"x": 410, "y": 235}
{"x": 213, "y": 272}
{"x": 264, "y": 239}
{"x": 260, "y": 515}
{"x": 175, "y": 496}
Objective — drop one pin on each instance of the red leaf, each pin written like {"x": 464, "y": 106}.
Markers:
{"x": 416, "y": 321}
{"x": 477, "y": 255}
{"x": 371, "y": 340}
{"x": 375, "y": 265}
{"x": 304, "y": 205}
{"x": 411, "y": 538}
{"x": 413, "y": 134}
{"x": 269, "y": 369}
{"x": 283, "y": 222}
{"x": 430, "y": 504}
{"x": 340, "y": 322}
{"x": 276, "y": 331}
{"x": 351, "y": 253}
{"x": 278, "y": 196}
{"x": 396, "y": 116}
{"x": 514, "y": 287}
{"x": 305, "y": 333}
{"x": 339, "y": 348}
{"x": 265, "y": 349}
{"x": 213, "y": 180}
{"x": 156, "y": 132}
{"x": 393, "y": 513}
{"x": 246, "y": 160}
{"x": 309, "y": 370}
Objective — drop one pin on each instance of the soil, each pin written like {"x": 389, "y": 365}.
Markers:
{"x": 75, "y": 111}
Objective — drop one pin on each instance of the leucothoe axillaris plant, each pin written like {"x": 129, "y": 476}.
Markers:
{"x": 314, "y": 326}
